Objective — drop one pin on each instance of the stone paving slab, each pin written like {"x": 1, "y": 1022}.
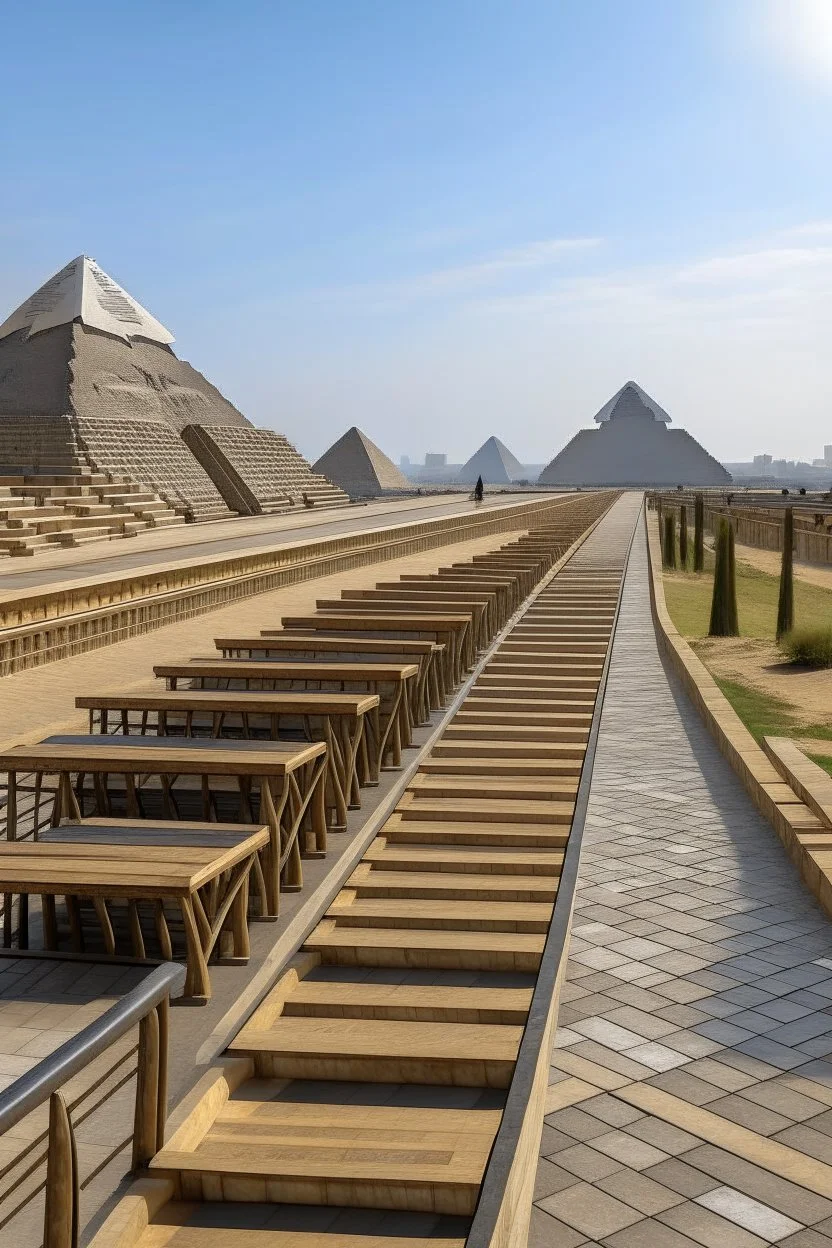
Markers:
{"x": 690, "y": 1100}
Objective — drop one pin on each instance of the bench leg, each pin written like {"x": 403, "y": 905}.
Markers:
{"x": 197, "y": 981}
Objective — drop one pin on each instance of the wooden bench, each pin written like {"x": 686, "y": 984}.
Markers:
{"x": 209, "y": 883}
{"x": 337, "y": 719}
{"x": 391, "y": 682}
{"x": 473, "y": 640}
{"x": 480, "y": 606}
{"x": 307, "y": 646}
{"x": 451, "y": 630}
{"x": 290, "y": 780}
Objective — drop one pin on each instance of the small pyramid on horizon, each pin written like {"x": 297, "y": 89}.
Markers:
{"x": 493, "y": 462}
{"x": 360, "y": 467}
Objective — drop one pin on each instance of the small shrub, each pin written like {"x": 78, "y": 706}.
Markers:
{"x": 809, "y": 646}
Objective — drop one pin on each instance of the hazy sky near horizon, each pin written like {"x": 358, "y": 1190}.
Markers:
{"x": 443, "y": 219}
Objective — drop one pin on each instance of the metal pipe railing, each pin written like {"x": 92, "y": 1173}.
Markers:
{"x": 148, "y": 1006}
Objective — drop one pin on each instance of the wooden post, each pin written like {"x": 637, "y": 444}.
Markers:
{"x": 145, "y": 1123}
{"x": 60, "y": 1218}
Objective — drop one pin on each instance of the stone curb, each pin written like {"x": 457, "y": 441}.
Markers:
{"x": 776, "y": 790}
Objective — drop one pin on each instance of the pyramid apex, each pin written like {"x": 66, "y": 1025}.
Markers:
{"x": 82, "y": 291}
{"x": 633, "y": 388}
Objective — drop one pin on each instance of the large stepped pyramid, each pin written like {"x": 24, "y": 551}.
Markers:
{"x": 89, "y": 383}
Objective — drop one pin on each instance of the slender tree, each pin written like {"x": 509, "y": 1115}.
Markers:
{"x": 699, "y": 534}
{"x": 683, "y": 538}
{"x": 669, "y": 539}
{"x": 785, "y": 602}
{"x": 724, "y": 621}
{"x": 733, "y": 617}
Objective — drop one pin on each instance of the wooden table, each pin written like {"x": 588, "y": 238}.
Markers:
{"x": 209, "y": 883}
{"x": 390, "y": 682}
{"x": 480, "y": 606}
{"x": 337, "y": 719}
{"x": 330, "y": 648}
{"x": 290, "y": 780}
{"x": 450, "y": 629}
{"x": 504, "y": 588}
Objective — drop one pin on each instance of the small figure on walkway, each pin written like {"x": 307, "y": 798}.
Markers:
{"x": 479, "y": 491}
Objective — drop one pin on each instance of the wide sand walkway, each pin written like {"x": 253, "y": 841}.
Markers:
{"x": 224, "y": 537}
{"x": 691, "y": 1081}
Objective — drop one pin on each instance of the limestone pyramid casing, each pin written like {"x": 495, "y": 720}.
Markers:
{"x": 361, "y": 468}
{"x": 493, "y": 462}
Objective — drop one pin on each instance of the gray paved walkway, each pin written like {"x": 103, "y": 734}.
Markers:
{"x": 691, "y": 1082}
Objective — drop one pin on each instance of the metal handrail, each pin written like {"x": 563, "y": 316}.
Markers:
{"x": 504, "y": 1148}
{"x": 35, "y": 1087}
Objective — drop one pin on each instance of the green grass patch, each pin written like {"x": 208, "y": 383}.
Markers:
{"x": 689, "y": 602}
{"x": 765, "y": 716}
{"x": 762, "y": 715}
{"x": 824, "y": 761}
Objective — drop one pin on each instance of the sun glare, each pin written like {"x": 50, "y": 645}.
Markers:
{"x": 801, "y": 32}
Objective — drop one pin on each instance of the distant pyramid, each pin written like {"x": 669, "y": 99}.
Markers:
{"x": 358, "y": 466}
{"x": 493, "y": 462}
{"x": 633, "y": 446}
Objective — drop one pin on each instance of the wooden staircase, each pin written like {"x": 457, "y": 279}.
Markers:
{"x": 361, "y": 1100}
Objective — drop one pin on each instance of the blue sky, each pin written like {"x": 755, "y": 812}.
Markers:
{"x": 443, "y": 219}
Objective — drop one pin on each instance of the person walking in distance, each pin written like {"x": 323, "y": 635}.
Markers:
{"x": 479, "y": 491}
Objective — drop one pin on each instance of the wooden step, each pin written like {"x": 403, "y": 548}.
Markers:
{"x": 428, "y": 949}
{"x": 496, "y": 767}
{"x": 537, "y": 787}
{"x": 459, "y": 745}
{"x": 445, "y": 914}
{"x": 371, "y": 1050}
{"x": 482, "y": 809}
{"x": 563, "y": 696}
{"x": 464, "y": 886}
{"x": 437, "y": 1003}
{"x": 533, "y": 733}
{"x": 532, "y": 685}
{"x": 446, "y": 831}
{"x": 497, "y": 714}
{"x": 206, "y": 1224}
{"x": 376, "y": 1156}
{"x": 467, "y": 859}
